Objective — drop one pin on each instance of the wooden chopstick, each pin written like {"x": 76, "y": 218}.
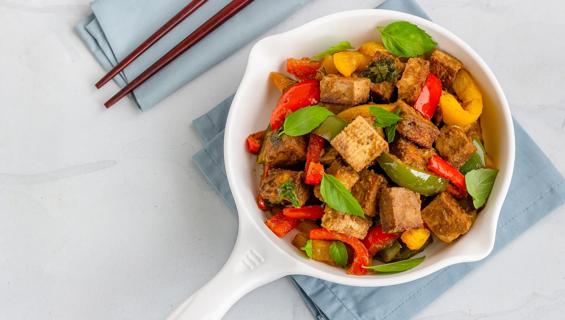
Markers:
{"x": 206, "y": 28}
{"x": 168, "y": 26}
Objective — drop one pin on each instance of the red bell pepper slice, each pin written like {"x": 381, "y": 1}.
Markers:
{"x": 455, "y": 191}
{"x": 307, "y": 212}
{"x": 298, "y": 96}
{"x": 445, "y": 170}
{"x": 429, "y": 97}
{"x": 376, "y": 239}
{"x": 314, "y": 173}
{"x": 261, "y": 203}
{"x": 253, "y": 142}
{"x": 314, "y": 170}
{"x": 304, "y": 68}
{"x": 360, "y": 255}
{"x": 281, "y": 224}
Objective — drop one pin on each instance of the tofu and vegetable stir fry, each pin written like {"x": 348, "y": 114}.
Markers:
{"x": 372, "y": 153}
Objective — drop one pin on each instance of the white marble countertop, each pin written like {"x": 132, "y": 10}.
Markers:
{"x": 103, "y": 215}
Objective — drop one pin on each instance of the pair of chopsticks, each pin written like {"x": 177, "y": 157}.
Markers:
{"x": 206, "y": 28}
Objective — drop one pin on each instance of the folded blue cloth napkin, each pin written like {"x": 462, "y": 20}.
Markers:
{"x": 537, "y": 188}
{"x": 115, "y": 28}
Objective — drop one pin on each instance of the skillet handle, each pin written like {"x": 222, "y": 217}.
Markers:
{"x": 254, "y": 262}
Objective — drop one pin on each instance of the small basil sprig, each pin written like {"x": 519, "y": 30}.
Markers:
{"x": 386, "y": 120}
{"x": 398, "y": 266}
{"x": 338, "y": 253}
{"x": 341, "y": 46}
{"x": 304, "y": 120}
{"x": 405, "y": 39}
{"x": 338, "y": 197}
{"x": 288, "y": 192}
{"x": 308, "y": 248}
{"x": 479, "y": 185}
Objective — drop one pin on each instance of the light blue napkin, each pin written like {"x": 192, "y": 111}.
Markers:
{"x": 537, "y": 188}
{"x": 115, "y": 28}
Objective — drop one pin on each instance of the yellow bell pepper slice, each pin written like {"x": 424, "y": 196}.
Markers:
{"x": 347, "y": 62}
{"x": 415, "y": 238}
{"x": 328, "y": 65}
{"x": 362, "y": 110}
{"x": 371, "y": 48}
{"x": 468, "y": 92}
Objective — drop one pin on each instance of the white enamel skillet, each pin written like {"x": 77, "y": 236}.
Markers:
{"x": 259, "y": 257}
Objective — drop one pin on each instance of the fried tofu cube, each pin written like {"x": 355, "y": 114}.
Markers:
{"x": 367, "y": 191}
{"x": 382, "y": 91}
{"x": 446, "y": 219}
{"x": 444, "y": 66}
{"x": 345, "y": 223}
{"x": 454, "y": 145}
{"x": 329, "y": 156}
{"x": 399, "y": 209}
{"x": 284, "y": 187}
{"x": 413, "y": 78}
{"x": 473, "y": 130}
{"x": 359, "y": 144}
{"x": 284, "y": 150}
{"x": 344, "y": 173}
{"x": 414, "y": 127}
{"x": 344, "y": 90}
{"x": 411, "y": 154}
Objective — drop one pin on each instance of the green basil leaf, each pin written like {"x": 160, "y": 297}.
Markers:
{"x": 341, "y": 46}
{"x": 287, "y": 191}
{"x": 479, "y": 184}
{"x": 338, "y": 197}
{"x": 338, "y": 253}
{"x": 399, "y": 266}
{"x": 303, "y": 121}
{"x": 390, "y": 133}
{"x": 384, "y": 118}
{"x": 405, "y": 39}
{"x": 308, "y": 248}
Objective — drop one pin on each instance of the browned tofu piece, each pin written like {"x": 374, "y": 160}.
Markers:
{"x": 399, "y": 209}
{"x": 329, "y": 156}
{"x": 382, "y": 91}
{"x": 445, "y": 218}
{"x": 367, "y": 191}
{"x": 413, "y": 79}
{"x": 384, "y": 77}
{"x": 344, "y": 91}
{"x": 445, "y": 67}
{"x": 282, "y": 151}
{"x": 344, "y": 173}
{"x": 345, "y": 223}
{"x": 359, "y": 144}
{"x": 473, "y": 131}
{"x": 414, "y": 127}
{"x": 284, "y": 187}
{"x": 336, "y": 108}
{"x": 454, "y": 145}
{"x": 411, "y": 154}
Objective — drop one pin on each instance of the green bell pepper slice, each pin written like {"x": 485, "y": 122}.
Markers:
{"x": 330, "y": 127}
{"x": 411, "y": 178}
{"x": 477, "y": 160}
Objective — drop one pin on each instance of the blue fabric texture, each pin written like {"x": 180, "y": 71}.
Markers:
{"x": 115, "y": 28}
{"x": 537, "y": 188}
